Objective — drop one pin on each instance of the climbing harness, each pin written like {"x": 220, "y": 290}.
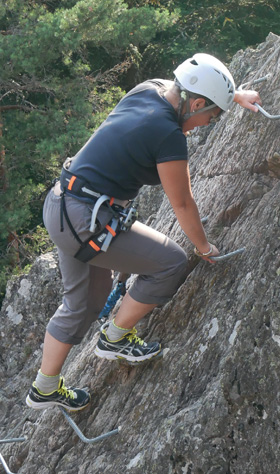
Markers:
{"x": 121, "y": 215}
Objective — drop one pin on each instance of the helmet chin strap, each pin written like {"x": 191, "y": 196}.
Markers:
{"x": 185, "y": 99}
{"x": 187, "y": 115}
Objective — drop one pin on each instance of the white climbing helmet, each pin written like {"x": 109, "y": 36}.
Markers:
{"x": 206, "y": 75}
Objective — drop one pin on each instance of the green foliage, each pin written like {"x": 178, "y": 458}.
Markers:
{"x": 219, "y": 27}
{"x": 59, "y": 67}
{"x": 64, "y": 66}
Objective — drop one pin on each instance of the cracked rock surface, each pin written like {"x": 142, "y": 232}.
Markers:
{"x": 211, "y": 404}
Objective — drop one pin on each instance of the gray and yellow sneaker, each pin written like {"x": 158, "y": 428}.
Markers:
{"x": 72, "y": 399}
{"x": 129, "y": 347}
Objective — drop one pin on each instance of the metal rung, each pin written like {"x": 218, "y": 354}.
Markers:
{"x": 253, "y": 82}
{"x": 12, "y": 440}
{"x": 5, "y": 465}
{"x": 75, "y": 428}
{"x": 80, "y": 434}
{"x": 2, "y": 460}
{"x": 266, "y": 114}
{"x": 228, "y": 255}
{"x": 257, "y": 81}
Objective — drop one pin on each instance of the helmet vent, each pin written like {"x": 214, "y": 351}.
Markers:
{"x": 193, "y": 80}
{"x": 193, "y": 61}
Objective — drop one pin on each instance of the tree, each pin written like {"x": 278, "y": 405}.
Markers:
{"x": 59, "y": 63}
{"x": 218, "y": 27}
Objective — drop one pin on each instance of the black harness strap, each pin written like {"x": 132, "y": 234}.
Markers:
{"x": 63, "y": 212}
{"x": 76, "y": 185}
{"x": 93, "y": 245}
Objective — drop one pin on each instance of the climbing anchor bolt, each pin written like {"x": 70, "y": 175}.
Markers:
{"x": 80, "y": 434}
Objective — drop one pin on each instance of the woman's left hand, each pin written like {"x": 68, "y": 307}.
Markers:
{"x": 247, "y": 99}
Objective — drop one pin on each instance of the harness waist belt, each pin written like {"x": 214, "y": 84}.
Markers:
{"x": 76, "y": 186}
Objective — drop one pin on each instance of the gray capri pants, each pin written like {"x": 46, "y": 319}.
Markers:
{"x": 160, "y": 263}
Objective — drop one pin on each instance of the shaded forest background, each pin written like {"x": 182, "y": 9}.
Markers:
{"x": 65, "y": 64}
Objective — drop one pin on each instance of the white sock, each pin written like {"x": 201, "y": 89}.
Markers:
{"x": 47, "y": 383}
{"x": 115, "y": 333}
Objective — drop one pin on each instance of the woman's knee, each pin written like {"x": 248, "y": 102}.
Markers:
{"x": 177, "y": 259}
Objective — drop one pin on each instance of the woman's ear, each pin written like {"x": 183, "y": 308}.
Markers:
{"x": 198, "y": 104}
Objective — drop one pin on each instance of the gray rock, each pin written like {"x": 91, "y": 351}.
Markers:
{"x": 211, "y": 404}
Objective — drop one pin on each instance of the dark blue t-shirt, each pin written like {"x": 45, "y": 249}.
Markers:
{"x": 142, "y": 130}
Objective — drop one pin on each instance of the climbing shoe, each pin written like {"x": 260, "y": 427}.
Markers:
{"x": 129, "y": 347}
{"x": 72, "y": 399}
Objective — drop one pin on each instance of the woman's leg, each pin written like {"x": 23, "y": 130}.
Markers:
{"x": 85, "y": 291}
{"x": 54, "y": 355}
{"x": 162, "y": 267}
{"x": 131, "y": 312}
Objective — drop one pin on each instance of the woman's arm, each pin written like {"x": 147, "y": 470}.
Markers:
{"x": 175, "y": 179}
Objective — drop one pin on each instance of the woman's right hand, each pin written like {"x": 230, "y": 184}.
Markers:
{"x": 214, "y": 253}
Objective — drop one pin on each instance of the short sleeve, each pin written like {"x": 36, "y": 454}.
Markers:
{"x": 173, "y": 147}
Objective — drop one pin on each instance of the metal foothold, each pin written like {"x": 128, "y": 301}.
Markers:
{"x": 81, "y": 435}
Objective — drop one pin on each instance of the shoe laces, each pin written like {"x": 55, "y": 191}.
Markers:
{"x": 133, "y": 338}
{"x": 66, "y": 392}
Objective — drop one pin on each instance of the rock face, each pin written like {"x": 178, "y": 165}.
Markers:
{"x": 211, "y": 404}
